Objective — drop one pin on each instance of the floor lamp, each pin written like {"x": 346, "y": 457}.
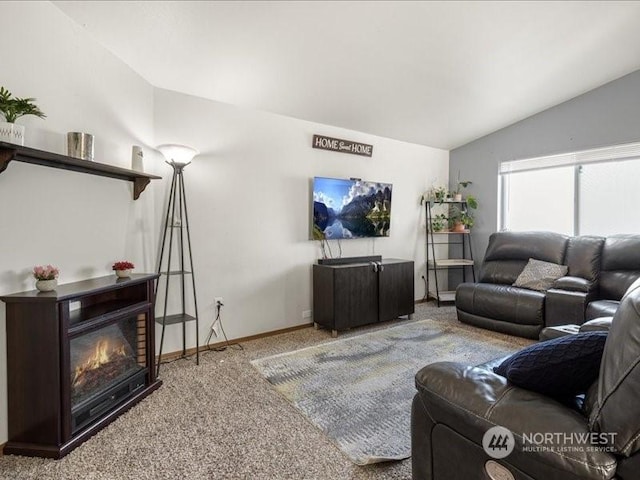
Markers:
{"x": 176, "y": 224}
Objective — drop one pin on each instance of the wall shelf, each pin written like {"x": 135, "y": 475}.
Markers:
{"x": 9, "y": 152}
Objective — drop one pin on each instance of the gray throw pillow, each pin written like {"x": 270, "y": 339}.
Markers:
{"x": 539, "y": 275}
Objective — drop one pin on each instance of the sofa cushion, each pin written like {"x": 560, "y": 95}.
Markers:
{"x": 508, "y": 253}
{"x": 601, "y": 308}
{"x": 617, "y": 410}
{"x": 620, "y": 265}
{"x": 501, "y": 302}
{"x": 584, "y": 256}
{"x": 560, "y": 368}
{"x": 539, "y": 275}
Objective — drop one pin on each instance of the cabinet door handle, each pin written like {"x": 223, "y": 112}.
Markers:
{"x": 380, "y": 267}
{"x": 375, "y": 266}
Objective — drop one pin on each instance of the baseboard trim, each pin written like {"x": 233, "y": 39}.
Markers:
{"x": 167, "y": 357}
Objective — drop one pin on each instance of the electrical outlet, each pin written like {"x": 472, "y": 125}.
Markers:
{"x": 306, "y": 314}
{"x": 218, "y": 300}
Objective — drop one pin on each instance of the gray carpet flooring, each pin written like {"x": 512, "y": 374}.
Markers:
{"x": 220, "y": 420}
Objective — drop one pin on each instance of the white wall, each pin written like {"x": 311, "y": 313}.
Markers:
{"x": 249, "y": 192}
{"x": 249, "y": 207}
{"x": 81, "y": 223}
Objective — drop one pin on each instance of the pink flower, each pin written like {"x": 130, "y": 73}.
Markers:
{"x": 48, "y": 272}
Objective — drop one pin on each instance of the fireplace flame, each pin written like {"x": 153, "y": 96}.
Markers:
{"x": 104, "y": 353}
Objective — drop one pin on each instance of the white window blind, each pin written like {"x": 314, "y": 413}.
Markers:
{"x": 629, "y": 151}
{"x": 587, "y": 192}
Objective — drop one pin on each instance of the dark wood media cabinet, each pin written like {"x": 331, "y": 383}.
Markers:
{"x": 347, "y": 295}
{"x": 77, "y": 358}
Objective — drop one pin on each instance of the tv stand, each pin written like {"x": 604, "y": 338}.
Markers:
{"x": 359, "y": 291}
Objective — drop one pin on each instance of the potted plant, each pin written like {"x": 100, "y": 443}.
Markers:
{"x": 461, "y": 219}
{"x": 123, "y": 268}
{"x": 457, "y": 193}
{"x": 11, "y": 109}
{"x": 46, "y": 277}
{"x": 435, "y": 194}
{"x": 439, "y": 222}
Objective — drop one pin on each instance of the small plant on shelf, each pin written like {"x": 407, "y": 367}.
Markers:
{"x": 439, "y": 222}
{"x": 13, "y": 108}
{"x": 461, "y": 219}
{"x": 457, "y": 193}
{"x": 436, "y": 194}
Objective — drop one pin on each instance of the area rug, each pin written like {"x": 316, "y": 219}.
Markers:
{"x": 358, "y": 390}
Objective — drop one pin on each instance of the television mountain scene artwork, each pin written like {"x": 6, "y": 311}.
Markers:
{"x": 350, "y": 209}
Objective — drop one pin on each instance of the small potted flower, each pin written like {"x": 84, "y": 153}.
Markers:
{"x": 12, "y": 108}
{"x": 123, "y": 269}
{"x": 46, "y": 277}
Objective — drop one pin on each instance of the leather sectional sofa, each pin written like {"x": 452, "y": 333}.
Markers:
{"x": 456, "y": 404}
{"x": 600, "y": 270}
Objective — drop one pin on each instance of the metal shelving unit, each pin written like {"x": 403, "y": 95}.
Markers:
{"x": 446, "y": 237}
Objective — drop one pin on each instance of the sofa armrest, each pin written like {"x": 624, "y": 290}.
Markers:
{"x": 471, "y": 400}
{"x": 602, "y": 324}
{"x": 574, "y": 284}
{"x": 564, "y": 306}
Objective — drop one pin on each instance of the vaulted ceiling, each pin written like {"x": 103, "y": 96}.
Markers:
{"x": 433, "y": 73}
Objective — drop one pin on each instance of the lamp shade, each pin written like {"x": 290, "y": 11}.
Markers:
{"x": 179, "y": 154}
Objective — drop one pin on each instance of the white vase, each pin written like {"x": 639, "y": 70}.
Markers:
{"x": 123, "y": 273}
{"x": 11, "y": 133}
{"x": 46, "y": 285}
{"x": 458, "y": 197}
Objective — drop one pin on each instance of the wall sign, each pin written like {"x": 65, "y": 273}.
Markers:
{"x": 344, "y": 146}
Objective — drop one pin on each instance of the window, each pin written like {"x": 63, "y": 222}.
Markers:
{"x": 584, "y": 193}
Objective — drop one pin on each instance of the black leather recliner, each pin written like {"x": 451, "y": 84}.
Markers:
{"x": 456, "y": 404}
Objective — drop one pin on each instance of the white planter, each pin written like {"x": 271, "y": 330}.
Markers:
{"x": 11, "y": 133}
{"x": 46, "y": 285}
{"x": 123, "y": 273}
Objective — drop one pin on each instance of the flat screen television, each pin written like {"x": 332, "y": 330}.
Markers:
{"x": 350, "y": 208}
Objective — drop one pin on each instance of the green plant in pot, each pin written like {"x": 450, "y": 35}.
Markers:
{"x": 11, "y": 109}
{"x": 439, "y": 222}
{"x": 457, "y": 193}
{"x": 461, "y": 219}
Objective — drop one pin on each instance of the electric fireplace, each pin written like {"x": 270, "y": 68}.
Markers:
{"x": 77, "y": 358}
{"x": 103, "y": 365}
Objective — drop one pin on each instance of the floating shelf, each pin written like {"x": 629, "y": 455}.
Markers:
{"x": 9, "y": 152}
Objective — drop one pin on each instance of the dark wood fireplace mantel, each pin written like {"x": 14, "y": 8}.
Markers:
{"x": 43, "y": 418}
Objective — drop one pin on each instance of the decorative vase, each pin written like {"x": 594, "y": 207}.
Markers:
{"x": 123, "y": 273}
{"x": 11, "y": 133}
{"x": 46, "y": 285}
{"x": 80, "y": 145}
{"x": 458, "y": 197}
